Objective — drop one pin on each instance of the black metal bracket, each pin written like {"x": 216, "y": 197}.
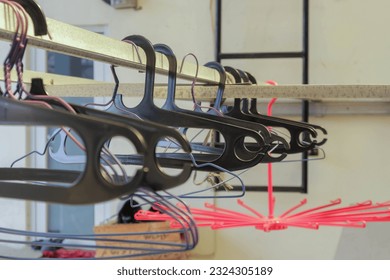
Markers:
{"x": 304, "y": 55}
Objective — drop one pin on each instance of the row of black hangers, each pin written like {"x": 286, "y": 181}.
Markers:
{"x": 146, "y": 131}
{"x": 89, "y": 185}
{"x": 235, "y": 123}
{"x": 147, "y": 127}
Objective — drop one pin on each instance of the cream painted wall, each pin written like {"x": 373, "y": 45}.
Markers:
{"x": 169, "y": 22}
{"x": 355, "y": 169}
{"x": 349, "y": 41}
{"x": 348, "y": 44}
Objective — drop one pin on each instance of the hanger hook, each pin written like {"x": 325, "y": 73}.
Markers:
{"x": 196, "y": 61}
{"x": 113, "y": 71}
{"x": 135, "y": 47}
{"x": 195, "y": 77}
{"x": 221, "y": 84}
{"x": 234, "y": 73}
{"x": 172, "y": 68}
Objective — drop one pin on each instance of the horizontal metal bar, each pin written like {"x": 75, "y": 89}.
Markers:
{"x": 261, "y": 55}
{"x": 71, "y": 40}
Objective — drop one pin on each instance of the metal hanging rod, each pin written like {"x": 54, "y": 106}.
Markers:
{"x": 71, "y": 40}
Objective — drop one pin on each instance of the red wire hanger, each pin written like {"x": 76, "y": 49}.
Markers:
{"x": 331, "y": 214}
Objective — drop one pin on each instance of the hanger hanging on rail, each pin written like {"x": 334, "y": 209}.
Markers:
{"x": 89, "y": 185}
{"x": 152, "y": 133}
{"x": 242, "y": 77}
{"x": 213, "y": 112}
{"x": 273, "y": 139}
{"x": 230, "y": 158}
{"x": 296, "y": 129}
{"x": 253, "y": 111}
{"x": 152, "y": 175}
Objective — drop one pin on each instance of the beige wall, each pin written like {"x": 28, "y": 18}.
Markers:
{"x": 349, "y": 43}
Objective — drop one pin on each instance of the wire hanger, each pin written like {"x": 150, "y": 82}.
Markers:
{"x": 141, "y": 240}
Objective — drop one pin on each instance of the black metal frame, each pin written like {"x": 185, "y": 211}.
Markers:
{"x": 304, "y": 55}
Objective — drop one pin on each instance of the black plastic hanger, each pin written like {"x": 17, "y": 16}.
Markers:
{"x": 252, "y": 79}
{"x": 241, "y": 110}
{"x": 151, "y": 132}
{"x": 231, "y": 157}
{"x": 272, "y": 139}
{"x": 87, "y": 186}
{"x": 95, "y": 128}
{"x": 253, "y": 110}
{"x": 246, "y": 76}
{"x": 242, "y": 147}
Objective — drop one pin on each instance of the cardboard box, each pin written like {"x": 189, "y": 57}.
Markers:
{"x": 157, "y": 227}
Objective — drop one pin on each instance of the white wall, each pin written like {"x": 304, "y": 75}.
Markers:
{"x": 348, "y": 44}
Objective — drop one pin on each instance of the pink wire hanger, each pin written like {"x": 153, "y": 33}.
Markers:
{"x": 356, "y": 215}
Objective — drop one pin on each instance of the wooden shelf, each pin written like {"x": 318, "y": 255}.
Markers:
{"x": 58, "y": 85}
{"x": 310, "y": 92}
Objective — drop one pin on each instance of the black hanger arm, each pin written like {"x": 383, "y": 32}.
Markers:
{"x": 90, "y": 186}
